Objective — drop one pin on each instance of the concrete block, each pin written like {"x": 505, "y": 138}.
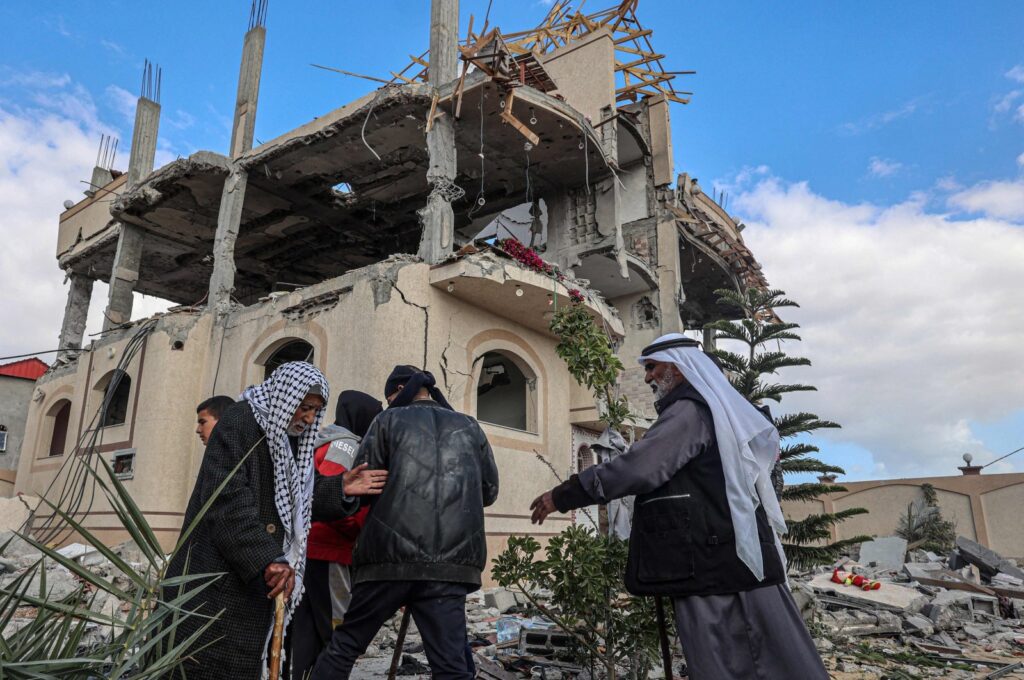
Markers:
{"x": 887, "y": 552}
{"x": 501, "y": 599}
{"x": 889, "y": 596}
{"x": 989, "y": 561}
{"x": 918, "y": 625}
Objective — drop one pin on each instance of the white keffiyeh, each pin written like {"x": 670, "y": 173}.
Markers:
{"x": 274, "y": 403}
{"x": 748, "y": 445}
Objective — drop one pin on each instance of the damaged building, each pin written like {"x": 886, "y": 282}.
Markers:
{"x": 364, "y": 239}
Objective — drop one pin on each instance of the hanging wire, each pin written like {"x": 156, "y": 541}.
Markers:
{"x": 78, "y": 490}
{"x": 480, "y": 201}
{"x": 1001, "y": 458}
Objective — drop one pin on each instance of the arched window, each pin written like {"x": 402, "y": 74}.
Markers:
{"x": 60, "y": 414}
{"x": 293, "y": 350}
{"x": 505, "y": 394}
{"x": 3, "y": 438}
{"x": 115, "y": 388}
{"x": 584, "y": 458}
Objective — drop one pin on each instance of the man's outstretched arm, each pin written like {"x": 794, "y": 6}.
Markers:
{"x": 678, "y": 436}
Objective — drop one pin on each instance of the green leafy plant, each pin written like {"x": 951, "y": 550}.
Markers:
{"x": 750, "y": 371}
{"x": 924, "y": 526}
{"x": 139, "y": 624}
{"x": 588, "y": 355}
{"x": 583, "y": 573}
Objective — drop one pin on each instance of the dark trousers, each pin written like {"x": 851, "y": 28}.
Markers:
{"x": 438, "y": 608}
{"x": 311, "y": 628}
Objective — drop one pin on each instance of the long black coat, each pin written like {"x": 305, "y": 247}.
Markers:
{"x": 240, "y": 535}
{"x": 428, "y": 524}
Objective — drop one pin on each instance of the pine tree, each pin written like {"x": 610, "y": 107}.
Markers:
{"x": 749, "y": 373}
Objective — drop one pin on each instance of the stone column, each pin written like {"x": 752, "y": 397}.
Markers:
{"x": 249, "y": 74}
{"x": 437, "y": 218}
{"x": 668, "y": 277}
{"x": 72, "y": 330}
{"x": 124, "y": 273}
{"x": 229, "y": 217}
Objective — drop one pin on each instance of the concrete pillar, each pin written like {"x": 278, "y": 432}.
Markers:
{"x": 244, "y": 125}
{"x": 72, "y": 330}
{"x": 143, "y": 152}
{"x": 668, "y": 277}
{"x": 124, "y": 273}
{"x": 444, "y": 42}
{"x": 232, "y": 199}
{"x": 229, "y": 219}
{"x": 437, "y": 219}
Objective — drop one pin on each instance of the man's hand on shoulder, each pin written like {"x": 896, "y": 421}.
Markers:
{"x": 361, "y": 481}
{"x": 280, "y": 578}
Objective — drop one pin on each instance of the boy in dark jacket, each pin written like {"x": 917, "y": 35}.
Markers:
{"x": 423, "y": 545}
{"x": 329, "y": 551}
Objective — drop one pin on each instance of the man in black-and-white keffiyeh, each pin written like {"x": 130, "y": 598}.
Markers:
{"x": 255, "y": 530}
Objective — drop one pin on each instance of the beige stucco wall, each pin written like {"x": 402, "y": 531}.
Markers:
{"x": 984, "y": 508}
{"x": 584, "y": 72}
{"x": 360, "y": 326}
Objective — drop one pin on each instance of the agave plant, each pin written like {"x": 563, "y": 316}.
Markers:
{"x": 141, "y": 643}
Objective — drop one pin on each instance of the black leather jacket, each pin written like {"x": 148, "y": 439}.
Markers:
{"x": 428, "y": 525}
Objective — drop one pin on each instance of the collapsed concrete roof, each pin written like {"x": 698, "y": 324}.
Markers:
{"x": 299, "y": 228}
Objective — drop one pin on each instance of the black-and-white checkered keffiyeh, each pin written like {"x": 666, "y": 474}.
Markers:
{"x": 274, "y": 403}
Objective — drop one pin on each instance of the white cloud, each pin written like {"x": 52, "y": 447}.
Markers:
{"x": 1020, "y": 160}
{"x": 124, "y": 103}
{"x": 883, "y": 167}
{"x": 1002, "y": 199}
{"x": 113, "y": 47}
{"x": 49, "y": 146}
{"x": 181, "y": 120}
{"x": 1016, "y": 73}
{"x": 909, "y": 317}
{"x": 881, "y": 119}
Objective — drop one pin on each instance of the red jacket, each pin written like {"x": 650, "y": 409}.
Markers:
{"x": 333, "y": 541}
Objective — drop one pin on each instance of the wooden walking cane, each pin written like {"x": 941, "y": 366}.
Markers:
{"x": 278, "y": 637}
{"x": 666, "y": 653}
{"x": 403, "y": 628}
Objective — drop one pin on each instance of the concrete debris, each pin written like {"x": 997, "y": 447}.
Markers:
{"x": 988, "y": 561}
{"x": 886, "y": 553}
{"x": 907, "y": 628}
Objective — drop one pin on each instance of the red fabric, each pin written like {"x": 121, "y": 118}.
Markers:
{"x": 30, "y": 369}
{"x": 333, "y": 541}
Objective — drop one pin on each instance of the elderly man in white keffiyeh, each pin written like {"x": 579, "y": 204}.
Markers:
{"x": 705, "y": 521}
{"x": 255, "y": 529}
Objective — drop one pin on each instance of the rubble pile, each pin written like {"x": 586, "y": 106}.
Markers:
{"x": 19, "y": 556}
{"x": 932, "y": 616}
{"x": 953, "y": 616}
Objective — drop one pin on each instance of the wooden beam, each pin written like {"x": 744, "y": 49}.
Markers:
{"x": 633, "y": 35}
{"x": 646, "y": 59}
{"x": 506, "y": 115}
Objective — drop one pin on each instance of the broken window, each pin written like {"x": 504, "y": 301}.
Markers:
{"x": 505, "y": 395}
{"x": 115, "y": 388}
{"x": 292, "y": 350}
{"x": 59, "y": 414}
{"x": 3, "y": 438}
{"x": 645, "y": 314}
{"x": 123, "y": 464}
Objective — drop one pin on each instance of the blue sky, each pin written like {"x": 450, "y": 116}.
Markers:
{"x": 875, "y": 150}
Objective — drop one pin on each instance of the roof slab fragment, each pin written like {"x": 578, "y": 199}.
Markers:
{"x": 342, "y": 191}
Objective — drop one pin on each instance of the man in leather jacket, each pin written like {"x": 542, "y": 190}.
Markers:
{"x": 704, "y": 521}
{"x": 423, "y": 545}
